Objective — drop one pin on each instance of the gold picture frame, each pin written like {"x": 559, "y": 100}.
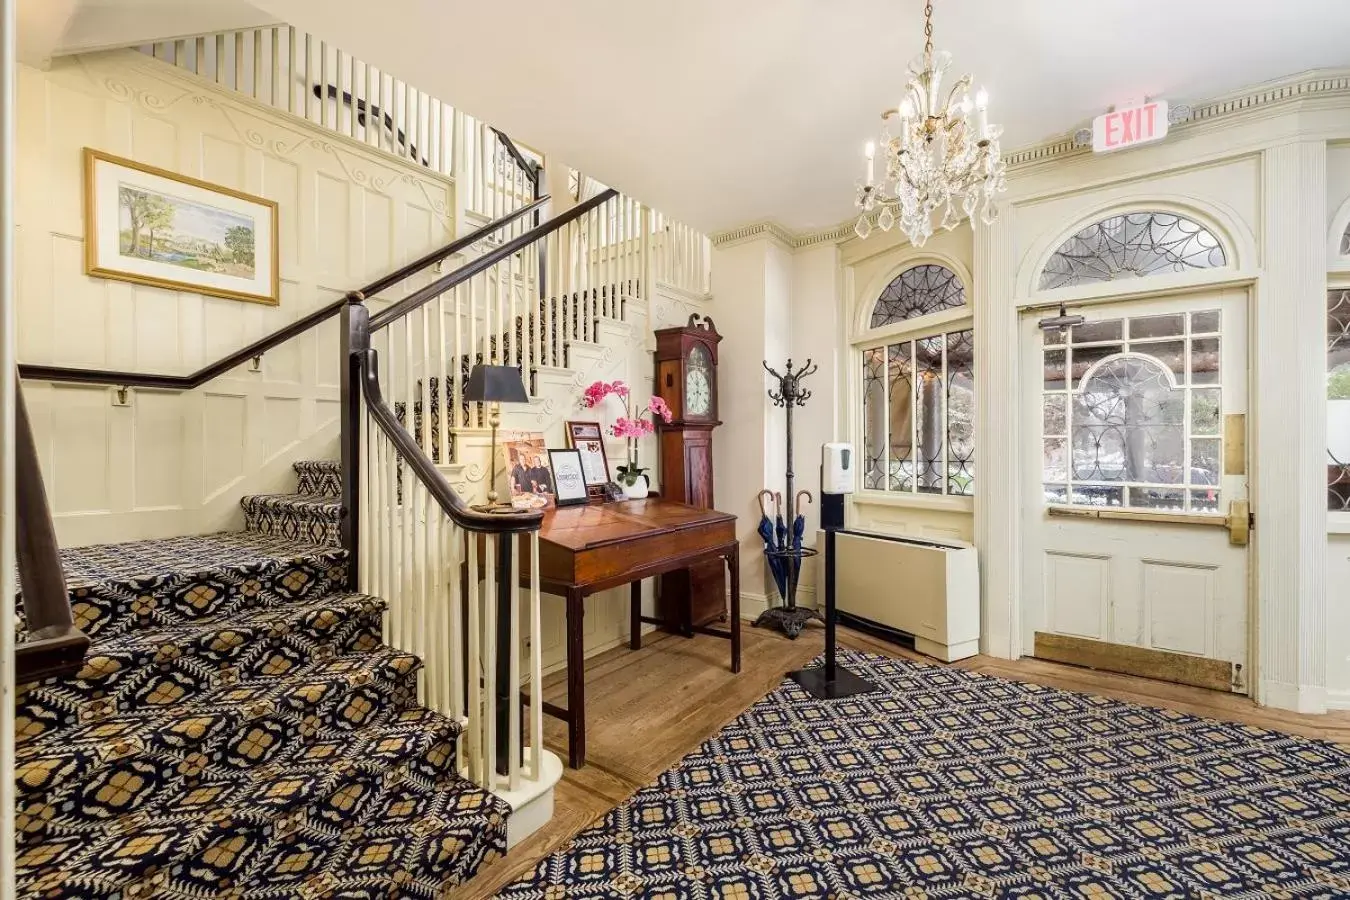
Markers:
{"x": 225, "y": 243}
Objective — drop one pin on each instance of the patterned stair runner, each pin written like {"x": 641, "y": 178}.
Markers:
{"x": 239, "y": 730}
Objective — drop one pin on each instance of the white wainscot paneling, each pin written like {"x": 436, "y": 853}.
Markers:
{"x": 177, "y": 464}
{"x": 159, "y": 434}
{"x": 1174, "y": 626}
{"x": 1078, "y": 594}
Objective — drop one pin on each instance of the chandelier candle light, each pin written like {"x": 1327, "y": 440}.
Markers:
{"x": 944, "y": 161}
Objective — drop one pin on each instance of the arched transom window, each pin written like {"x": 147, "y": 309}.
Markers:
{"x": 918, "y": 389}
{"x": 918, "y": 291}
{"x": 1133, "y": 245}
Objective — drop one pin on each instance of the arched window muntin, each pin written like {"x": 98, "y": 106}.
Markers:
{"x": 916, "y": 378}
{"x": 1132, "y": 245}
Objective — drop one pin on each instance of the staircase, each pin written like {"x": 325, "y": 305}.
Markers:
{"x": 239, "y": 729}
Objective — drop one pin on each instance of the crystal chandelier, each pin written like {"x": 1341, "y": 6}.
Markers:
{"x": 944, "y": 161}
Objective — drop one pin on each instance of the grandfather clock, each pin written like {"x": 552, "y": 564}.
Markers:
{"x": 686, "y": 378}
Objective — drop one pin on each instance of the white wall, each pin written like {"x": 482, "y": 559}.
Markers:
{"x": 169, "y": 463}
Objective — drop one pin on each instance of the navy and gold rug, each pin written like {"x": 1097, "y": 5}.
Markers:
{"x": 952, "y": 784}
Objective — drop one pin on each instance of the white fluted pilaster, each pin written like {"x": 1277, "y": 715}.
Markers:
{"x": 1289, "y": 487}
{"x": 997, "y": 439}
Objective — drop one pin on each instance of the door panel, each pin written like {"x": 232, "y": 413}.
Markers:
{"x": 1129, "y": 477}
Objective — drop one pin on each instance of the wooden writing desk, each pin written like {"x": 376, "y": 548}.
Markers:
{"x": 585, "y": 549}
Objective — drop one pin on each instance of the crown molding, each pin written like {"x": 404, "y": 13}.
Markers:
{"x": 1247, "y": 102}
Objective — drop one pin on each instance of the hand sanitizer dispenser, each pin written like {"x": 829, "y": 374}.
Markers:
{"x": 836, "y": 480}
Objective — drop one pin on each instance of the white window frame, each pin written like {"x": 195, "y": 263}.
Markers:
{"x": 1338, "y": 521}
{"x": 942, "y": 322}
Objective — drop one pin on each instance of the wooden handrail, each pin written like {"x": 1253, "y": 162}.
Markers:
{"x": 52, "y": 645}
{"x": 530, "y": 166}
{"x": 280, "y": 336}
{"x": 449, "y": 500}
{"x": 425, "y": 295}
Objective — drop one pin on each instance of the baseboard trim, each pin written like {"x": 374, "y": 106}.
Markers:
{"x": 1338, "y": 699}
{"x": 1300, "y": 698}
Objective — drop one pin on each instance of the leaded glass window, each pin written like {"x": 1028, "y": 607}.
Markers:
{"x": 1132, "y": 413}
{"x": 1134, "y": 245}
{"x": 919, "y": 415}
{"x": 1338, "y": 400}
{"x": 918, "y": 291}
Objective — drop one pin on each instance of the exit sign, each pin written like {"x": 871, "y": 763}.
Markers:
{"x": 1129, "y": 127}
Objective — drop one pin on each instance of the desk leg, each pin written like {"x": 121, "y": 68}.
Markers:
{"x": 734, "y": 564}
{"x": 576, "y": 679}
{"x": 635, "y": 615}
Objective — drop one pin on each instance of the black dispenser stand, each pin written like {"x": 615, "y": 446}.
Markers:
{"x": 831, "y": 681}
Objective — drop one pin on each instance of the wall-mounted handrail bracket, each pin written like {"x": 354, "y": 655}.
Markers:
{"x": 121, "y": 396}
{"x": 256, "y": 365}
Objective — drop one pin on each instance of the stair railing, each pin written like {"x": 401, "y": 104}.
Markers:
{"x": 52, "y": 645}
{"x": 463, "y": 585}
{"x": 298, "y": 73}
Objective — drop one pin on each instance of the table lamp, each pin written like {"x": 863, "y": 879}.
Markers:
{"x": 494, "y": 385}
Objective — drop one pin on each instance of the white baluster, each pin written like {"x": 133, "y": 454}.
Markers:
{"x": 536, "y": 664}
{"x": 475, "y": 668}
{"x": 513, "y": 665}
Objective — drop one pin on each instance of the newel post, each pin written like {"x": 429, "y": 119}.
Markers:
{"x": 355, "y": 332}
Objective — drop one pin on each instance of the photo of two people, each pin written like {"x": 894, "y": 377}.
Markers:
{"x": 528, "y": 474}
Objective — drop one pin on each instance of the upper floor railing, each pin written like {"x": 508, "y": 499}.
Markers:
{"x": 300, "y": 74}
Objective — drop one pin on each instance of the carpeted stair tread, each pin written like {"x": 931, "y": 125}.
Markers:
{"x": 318, "y": 476}
{"x": 277, "y": 830}
{"x": 312, "y": 701}
{"x": 116, "y": 588}
{"x": 201, "y": 653}
{"x": 135, "y": 561}
{"x": 312, "y": 518}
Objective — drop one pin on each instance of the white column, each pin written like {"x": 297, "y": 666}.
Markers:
{"x": 1289, "y": 487}
{"x": 8, "y": 76}
{"x": 997, "y": 440}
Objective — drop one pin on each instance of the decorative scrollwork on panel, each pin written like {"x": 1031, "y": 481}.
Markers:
{"x": 1345, "y": 242}
{"x": 1134, "y": 245}
{"x": 918, "y": 291}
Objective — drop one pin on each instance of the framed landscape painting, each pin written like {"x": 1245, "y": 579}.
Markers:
{"x": 151, "y": 226}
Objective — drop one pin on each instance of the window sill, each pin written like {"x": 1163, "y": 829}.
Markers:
{"x": 937, "y": 502}
{"x": 1338, "y": 523}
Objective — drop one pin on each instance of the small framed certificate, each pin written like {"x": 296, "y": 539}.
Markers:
{"x": 587, "y": 439}
{"x": 569, "y": 482}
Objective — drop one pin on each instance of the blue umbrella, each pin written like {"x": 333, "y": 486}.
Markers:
{"x": 799, "y": 524}
{"x": 776, "y": 564}
{"x": 798, "y": 530}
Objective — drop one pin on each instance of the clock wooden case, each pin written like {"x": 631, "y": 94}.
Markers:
{"x": 686, "y": 378}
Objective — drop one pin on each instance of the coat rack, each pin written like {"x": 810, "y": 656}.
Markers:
{"x": 789, "y": 618}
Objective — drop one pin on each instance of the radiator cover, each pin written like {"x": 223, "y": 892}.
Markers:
{"x": 927, "y": 589}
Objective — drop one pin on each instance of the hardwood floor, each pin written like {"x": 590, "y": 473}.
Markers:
{"x": 648, "y": 708}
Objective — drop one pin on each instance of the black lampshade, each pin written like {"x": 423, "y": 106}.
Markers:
{"x": 495, "y": 384}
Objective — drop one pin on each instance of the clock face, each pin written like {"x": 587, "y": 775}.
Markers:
{"x": 697, "y": 393}
{"x": 698, "y": 383}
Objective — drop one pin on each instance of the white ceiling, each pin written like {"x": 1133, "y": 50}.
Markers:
{"x": 723, "y": 112}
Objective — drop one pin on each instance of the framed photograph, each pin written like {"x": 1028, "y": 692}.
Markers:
{"x": 569, "y": 479}
{"x": 588, "y": 440}
{"x": 151, "y": 226}
{"x": 529, "y": 478}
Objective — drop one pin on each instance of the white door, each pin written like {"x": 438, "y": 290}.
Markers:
{"x": 1136, "y": 509}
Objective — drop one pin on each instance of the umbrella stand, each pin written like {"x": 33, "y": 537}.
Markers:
{"x": 787, "y": 552}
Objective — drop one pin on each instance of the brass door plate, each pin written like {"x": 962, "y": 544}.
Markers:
{"x": 1235, "y": 444}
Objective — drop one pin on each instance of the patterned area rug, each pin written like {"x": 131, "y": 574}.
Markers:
{"x": 952, "y": 784}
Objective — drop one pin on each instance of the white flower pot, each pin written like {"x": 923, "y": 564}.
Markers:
{"x": 638, "y": 489}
